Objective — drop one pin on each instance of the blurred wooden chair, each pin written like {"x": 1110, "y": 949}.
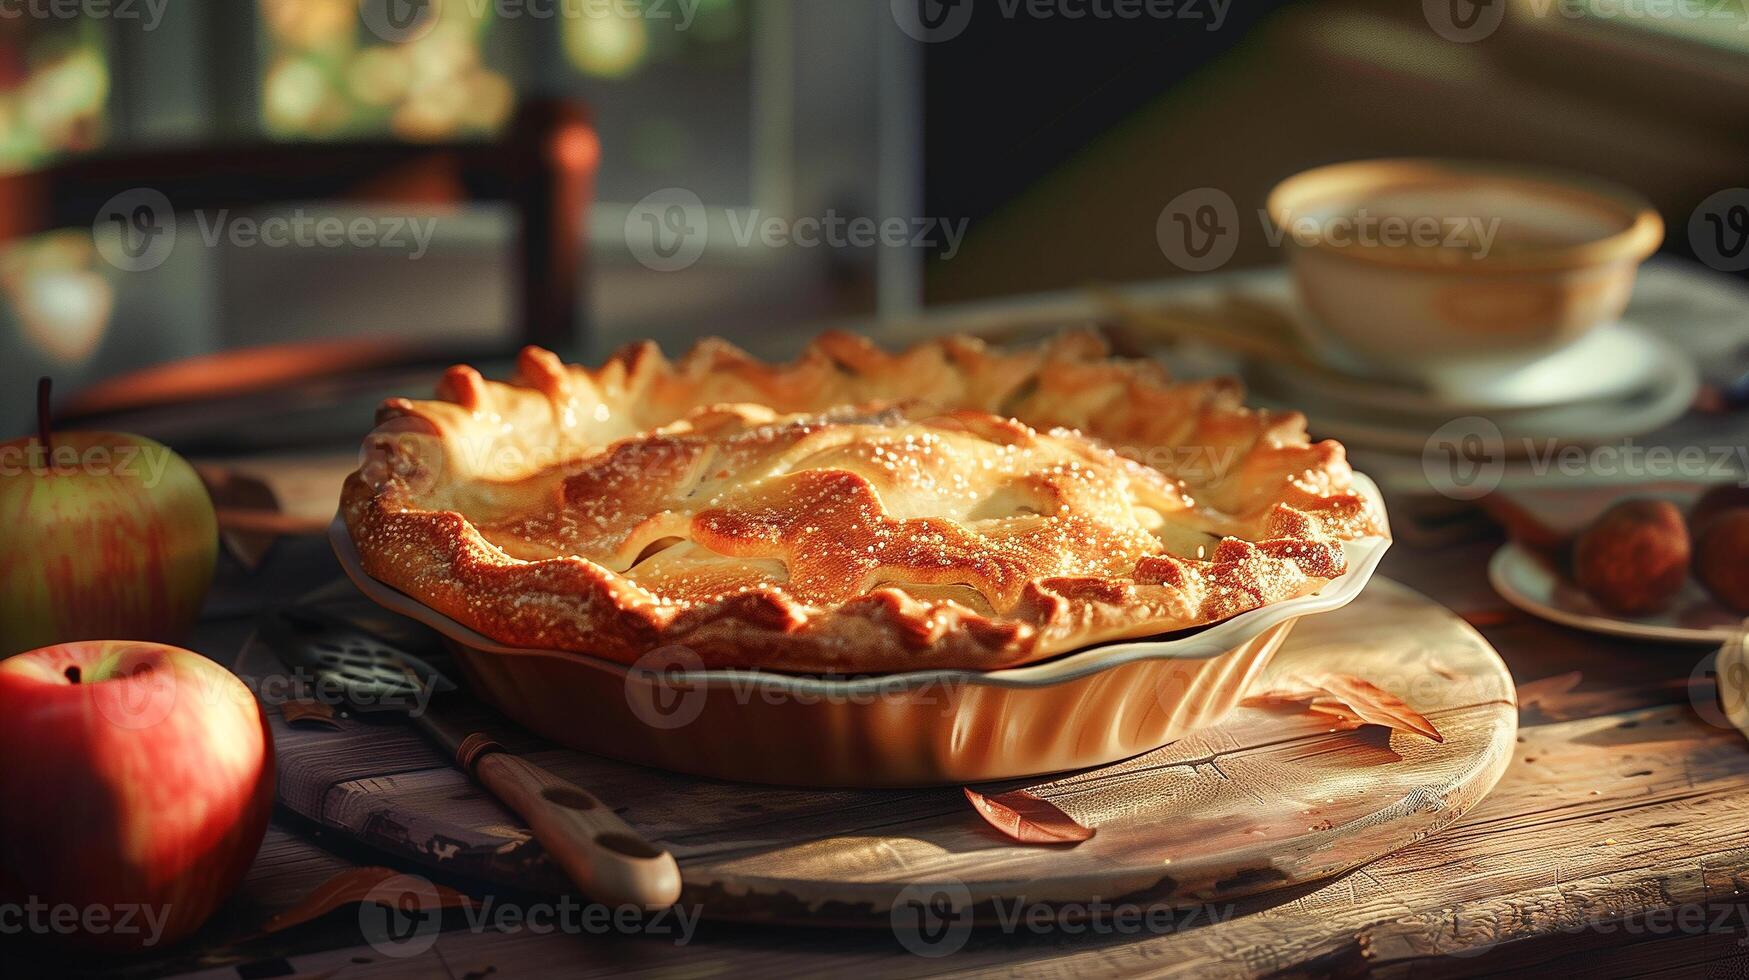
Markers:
{"x": 543, "y": 166}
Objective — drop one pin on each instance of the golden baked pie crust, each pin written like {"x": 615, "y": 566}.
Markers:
{"x": 949, "y": 506}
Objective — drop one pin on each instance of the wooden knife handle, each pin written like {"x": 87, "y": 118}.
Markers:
{"x": 608, "y": 860}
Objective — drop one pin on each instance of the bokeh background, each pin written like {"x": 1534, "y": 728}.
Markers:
{"x": 1056, "y": 140}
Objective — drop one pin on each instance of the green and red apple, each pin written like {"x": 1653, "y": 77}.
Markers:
{"x": 135, "y": 788}
{"x": 107, "y": 535}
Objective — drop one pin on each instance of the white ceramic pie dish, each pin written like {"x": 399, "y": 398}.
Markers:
{"x": 1082, "y": 709}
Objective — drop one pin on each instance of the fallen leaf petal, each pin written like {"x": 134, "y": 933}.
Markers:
{"x": 1348, "y": 698}
{"x": 1538, "y": 691}
{"x": 361, "y": 885}
{"x": 1374, "y": 705}
{"x": 309, "y": 713}
{"x": 1027, "y": 818}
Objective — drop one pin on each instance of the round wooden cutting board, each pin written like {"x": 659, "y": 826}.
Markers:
{"x": 1265, "y": 800}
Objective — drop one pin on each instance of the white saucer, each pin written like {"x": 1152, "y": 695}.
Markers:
{"x": 1672, "y": 382}
{"x": 1526, "y": 580}
{"x": 1611, "y": 363}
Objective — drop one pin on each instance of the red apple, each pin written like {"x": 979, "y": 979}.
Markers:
{"x": 136, "y": 781}
{"x": 108, "y": 535}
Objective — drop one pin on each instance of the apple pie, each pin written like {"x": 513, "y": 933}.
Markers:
{"x": 853, "y": 511}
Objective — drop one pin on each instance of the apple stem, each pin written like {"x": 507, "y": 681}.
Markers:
{"x": 44, "y": 431}
{"x": 72, "y": 674}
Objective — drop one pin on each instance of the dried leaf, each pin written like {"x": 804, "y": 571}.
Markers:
{"x": 361, "y": 885}
{"x": 309, "y": 713}
{"x": 1547, "y": 688}
{"x": 233, "y": 492}
{"x": 1348, "y": 698}
{"x": 1027, "y": 818}
{"x": 1485, "y": 618}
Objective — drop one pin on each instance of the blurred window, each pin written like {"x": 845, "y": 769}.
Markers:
{"x": 670, "y": 82}
{"x": 54, "y": 89}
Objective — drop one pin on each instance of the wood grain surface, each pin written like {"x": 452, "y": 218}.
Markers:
{"x": 1266, "y": 800}
{"x": 1614, "y": 845}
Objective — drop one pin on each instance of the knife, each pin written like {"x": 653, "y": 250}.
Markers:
{"x": 606, "y": 859}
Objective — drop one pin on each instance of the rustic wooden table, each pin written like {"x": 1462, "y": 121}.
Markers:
{"x": 1617, "y": 842}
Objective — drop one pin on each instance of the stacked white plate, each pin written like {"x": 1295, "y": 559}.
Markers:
{"x": 1618, "y": 381}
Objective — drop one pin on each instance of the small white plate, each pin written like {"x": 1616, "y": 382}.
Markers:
{"x": 1526, "y": 580}
{"x": 1676, "y": 380}
{"x": 1609, "y": 364}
